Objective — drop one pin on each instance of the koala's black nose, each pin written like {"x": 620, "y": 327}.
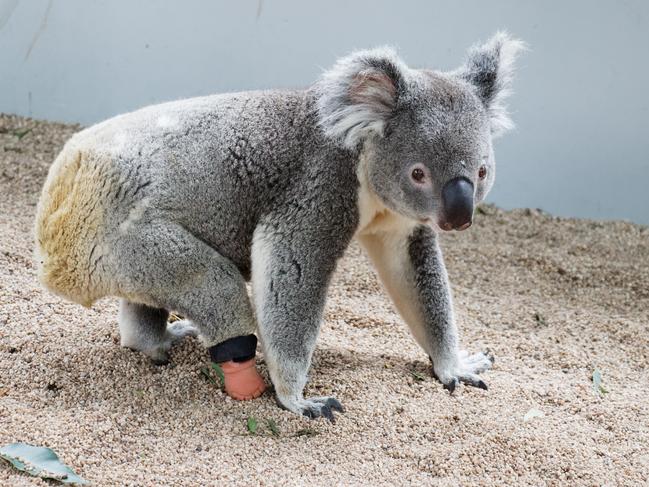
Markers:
{"x": 457, "y": 203}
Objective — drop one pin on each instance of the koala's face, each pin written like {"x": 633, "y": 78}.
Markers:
{"x": 435, "y": 161}
{"x": 425, "y": 137}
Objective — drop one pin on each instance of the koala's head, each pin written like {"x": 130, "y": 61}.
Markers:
{"x": 425, "y": 136}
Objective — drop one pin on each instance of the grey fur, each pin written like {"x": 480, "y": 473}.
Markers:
{"x": 145, "y": 329}
{"x": 192, "y": 198}
{"x": 440, "y": 336}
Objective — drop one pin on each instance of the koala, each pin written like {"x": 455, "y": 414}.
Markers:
{"x": 176, "y": 206}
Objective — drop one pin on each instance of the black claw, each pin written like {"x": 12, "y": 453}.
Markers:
{"x": 327, "y": 413}
{"x": 481, "y": 385}
{"x": 309, "y": 413}
{"x": 326, "y": 410}
{"x": 335, "y": 405}
{"x": 451, "y": 386}
{"x": 160, "y": 361}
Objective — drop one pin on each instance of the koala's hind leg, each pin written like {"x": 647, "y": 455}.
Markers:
{"x": 145, "y": 328}
{"x": 163, "y": 263}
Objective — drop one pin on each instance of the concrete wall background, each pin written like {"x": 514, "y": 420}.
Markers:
{"x": 581, "y": 147}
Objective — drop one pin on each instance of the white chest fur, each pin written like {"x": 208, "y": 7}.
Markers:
{"x": 374, "y": 216}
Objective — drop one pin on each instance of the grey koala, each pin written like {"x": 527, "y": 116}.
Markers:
{"x": 176, "y": 206}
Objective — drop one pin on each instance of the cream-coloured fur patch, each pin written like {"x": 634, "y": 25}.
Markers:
{"x": 68, "y": 224}
{"x": 136, "y": 214}
{"x": 374, "y": 216}
{"x": 384, "y": 236}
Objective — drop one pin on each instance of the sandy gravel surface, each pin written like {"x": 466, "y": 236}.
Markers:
{"x": 552, "y": 298}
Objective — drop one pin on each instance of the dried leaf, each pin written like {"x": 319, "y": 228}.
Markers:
{"x": 533, "y": 413}
{"x": 417, "y": 376}
{"x": 20, "y": 133}
{"x": 173, "y": 317}
{"x": 597, "y": 383}
{"x": 306, "y": 432}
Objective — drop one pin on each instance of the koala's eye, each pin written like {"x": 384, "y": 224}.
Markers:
{"x": 482, "y": 172}
{"x": 418, "y": 175}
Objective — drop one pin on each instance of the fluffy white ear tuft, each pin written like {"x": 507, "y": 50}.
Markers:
{"x": 359, "y": 94}
{"x": 490, "y": 68}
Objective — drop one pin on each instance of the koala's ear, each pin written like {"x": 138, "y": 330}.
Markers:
{"x": 490, "y": 68}
{"x": 359, "y": 94}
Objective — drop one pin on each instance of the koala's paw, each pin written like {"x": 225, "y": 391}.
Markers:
{"x": 175, "y": 332}
{"x": 464, "y": 369}
{"x": 314, "y": 407}
{"x": 179, "y": 329}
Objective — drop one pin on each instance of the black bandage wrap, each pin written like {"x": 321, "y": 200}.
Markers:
{"x": 238, "y": 349}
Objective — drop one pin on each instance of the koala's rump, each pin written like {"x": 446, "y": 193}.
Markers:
{"x": 69, "y": 224}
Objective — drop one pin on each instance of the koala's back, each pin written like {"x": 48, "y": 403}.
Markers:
{"x": 210, "y": 164}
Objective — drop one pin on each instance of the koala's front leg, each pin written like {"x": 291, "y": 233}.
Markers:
{"x": 413, "y": 272}
{"x": 290, "y": 275}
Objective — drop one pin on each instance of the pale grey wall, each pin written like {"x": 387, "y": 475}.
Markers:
{"x": 581, "y": 104}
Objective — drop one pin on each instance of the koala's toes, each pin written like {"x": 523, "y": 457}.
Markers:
{"x": 181, "y": 328}
{"x": 334, "y": 404}
{"x": 478, "y": 362}
{"x": 322, "y": 407}
{"x": 451, "y": 384}
{"x": 467, "y": 379}
{"x": 322, "y": 411}
{"x": 474, "y": 381}
{"x": 465, "y": 370}
{"x": 159, "y": 357}
{"x": 490, "y": 356}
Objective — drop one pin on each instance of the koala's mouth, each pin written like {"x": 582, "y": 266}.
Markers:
{"x": 443, "y": 226}
{"x": 447, "y": 227}
{"x": 432, "y": 223}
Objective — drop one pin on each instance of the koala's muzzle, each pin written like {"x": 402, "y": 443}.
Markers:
{"x": 457, "y": 204}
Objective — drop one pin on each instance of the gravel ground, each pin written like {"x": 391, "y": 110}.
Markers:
{"x": 552, "y": 298}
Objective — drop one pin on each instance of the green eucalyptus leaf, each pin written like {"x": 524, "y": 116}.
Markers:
{"x": 252, "y": 425}
{"x": 206, "y": 372}
{"x": 272, "y": 426}
{"x": 219, "y": 371}
{"x": 20, "y": 133}
{"x": 40, "y": 462}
